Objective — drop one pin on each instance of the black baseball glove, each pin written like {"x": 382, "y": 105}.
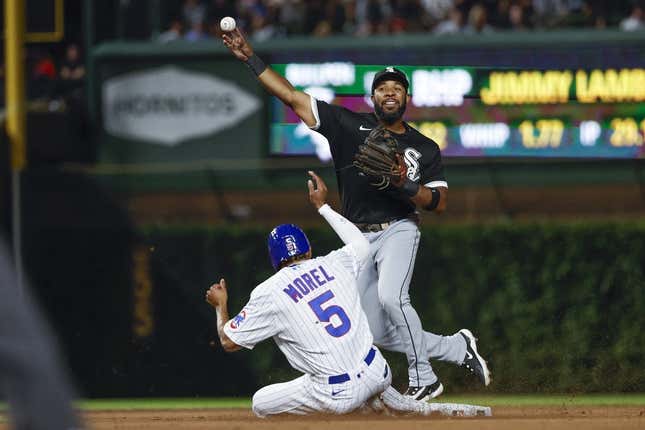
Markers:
{"x": 379, "y": 158}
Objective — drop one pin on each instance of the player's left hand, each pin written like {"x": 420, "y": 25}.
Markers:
{"x": 217, "y": 294}
{"x": 317, "y": 191}
{"x": 379, "y": 159}
{"x": 398, "y": 180}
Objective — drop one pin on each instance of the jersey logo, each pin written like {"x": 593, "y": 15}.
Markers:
{"x": 411, "y": 157}
{"x": 333, "y": 393}
{"x": 238, "y": 319}
{"x": 362, "y": 128}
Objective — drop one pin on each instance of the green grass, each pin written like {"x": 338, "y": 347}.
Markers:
{"x": 165, "y": 403}
{"x": 487, "y": 400}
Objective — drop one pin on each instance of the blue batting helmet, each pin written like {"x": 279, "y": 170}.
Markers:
{"x": 286, "y": 241}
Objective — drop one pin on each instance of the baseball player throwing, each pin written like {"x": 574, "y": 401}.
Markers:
{"x": 312, "y": 309}
{"x": 385, "y": 170}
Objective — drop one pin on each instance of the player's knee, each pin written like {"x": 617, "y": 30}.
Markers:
{"x": 259, "y": 405}
{"x": 392, "y": 301}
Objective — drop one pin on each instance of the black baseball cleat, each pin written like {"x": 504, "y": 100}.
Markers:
{"x": 425, "y": 392}
{"x": 473, "y": 361}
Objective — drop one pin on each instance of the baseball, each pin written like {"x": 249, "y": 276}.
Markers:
{"x": 227, "y": 24}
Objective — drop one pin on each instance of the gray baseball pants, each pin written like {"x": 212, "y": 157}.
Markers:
{"x": 384, "y": 284}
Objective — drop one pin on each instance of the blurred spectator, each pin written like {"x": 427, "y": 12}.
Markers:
{"x": 350, "y": 26}
{"x": 500, "y": 17}
{"x": 336, "y": 15}
{"x": 43, "y": 75}
{"x": 594, "y": 13}
{"x": 292, "y": 16}
{"x": 372, "y": 16}
{"x": 44, "y": 66}
{"x": 549, "y": 13}
{"x": 331, "y": 17}
{"x": 477, "y": 20}
{"x": 634, "y": 21}
{"x": 173, "y": 33}
{"x": 314, "y": 14}
{"x": 517, "y": 17}
{"x": 438, "y": 10}
{"x": 196, "y": 33}
{"x": 268, "y": 19}
{"x": 72, "y": 68}
{"x": 72, "y": 75}
{"x": 407, "y": 16}
{"x": 194, "y": 12}
{"x": 262, "y": 27}
{"x": 452, "y": 24}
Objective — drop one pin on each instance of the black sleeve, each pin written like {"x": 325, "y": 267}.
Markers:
{"x": 327, "y": 120}
{"x": 432, "y": 168}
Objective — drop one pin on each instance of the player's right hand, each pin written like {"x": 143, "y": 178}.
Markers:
{"x": 317, "y": 191}
{"x": 217, "y": 294}
{"x": 238, "y": 45}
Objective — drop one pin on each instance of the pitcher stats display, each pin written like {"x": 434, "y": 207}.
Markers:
{"x": 476, "y": 112}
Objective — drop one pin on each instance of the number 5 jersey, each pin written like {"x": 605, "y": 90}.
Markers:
{"x": 313, "y": 312}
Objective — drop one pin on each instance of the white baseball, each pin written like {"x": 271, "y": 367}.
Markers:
{"x": 227, "y": 24}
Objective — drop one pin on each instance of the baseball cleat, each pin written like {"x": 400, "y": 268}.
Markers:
{"x": 473, "y": 361}
{"x": 425, "y": 392}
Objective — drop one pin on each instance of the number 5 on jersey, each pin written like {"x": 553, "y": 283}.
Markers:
{"x": 325, "y": 314}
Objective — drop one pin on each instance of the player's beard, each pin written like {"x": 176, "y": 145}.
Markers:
{"x": 390, "y": 117}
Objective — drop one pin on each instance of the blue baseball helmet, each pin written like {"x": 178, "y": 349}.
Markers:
{"x": 286, "y": 241}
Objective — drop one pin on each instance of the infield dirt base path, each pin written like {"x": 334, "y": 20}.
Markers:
{"x": 504, "y": 418}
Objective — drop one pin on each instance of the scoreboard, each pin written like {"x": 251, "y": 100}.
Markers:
{"x": 482, "y": 112}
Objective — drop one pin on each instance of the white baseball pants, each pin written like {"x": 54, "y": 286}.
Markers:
{"x": 315, "y": 394}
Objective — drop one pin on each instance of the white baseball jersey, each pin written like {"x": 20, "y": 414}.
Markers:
{"x": 313, "y": 312}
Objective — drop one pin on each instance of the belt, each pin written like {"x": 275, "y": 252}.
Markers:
{"x": 344, "y": 377}
{"x": 380, "y": 226}
{"x": 374, "y": 228}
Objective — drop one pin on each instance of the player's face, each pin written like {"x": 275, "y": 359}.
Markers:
{"x": 390, "y": 100}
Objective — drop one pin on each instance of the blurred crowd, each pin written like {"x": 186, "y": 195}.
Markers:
{"x": 267, "y": 19}
{"x": 50, "y": 76}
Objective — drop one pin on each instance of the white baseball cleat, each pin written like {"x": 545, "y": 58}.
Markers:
{"x": 473, "y": 361}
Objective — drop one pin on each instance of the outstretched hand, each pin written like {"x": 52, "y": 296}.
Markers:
{"x": 317, "y": 191}
{"x": 235, "y": 41}
{"x": 217, "y": 294}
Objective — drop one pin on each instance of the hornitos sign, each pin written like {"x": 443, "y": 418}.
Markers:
{"x": 168, "y": 105}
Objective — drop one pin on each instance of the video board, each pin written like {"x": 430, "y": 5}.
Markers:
{"x": 483, "y": 112}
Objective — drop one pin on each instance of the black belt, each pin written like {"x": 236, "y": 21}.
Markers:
{"x": 376, "y": 227}
{"x": 380, "y": 226}
{"x": 344, "y": 377}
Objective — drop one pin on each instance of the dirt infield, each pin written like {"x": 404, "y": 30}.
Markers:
{"x": 504, "y": 418}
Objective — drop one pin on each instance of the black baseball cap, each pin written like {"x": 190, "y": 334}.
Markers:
{"x": 390, "y": 74}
